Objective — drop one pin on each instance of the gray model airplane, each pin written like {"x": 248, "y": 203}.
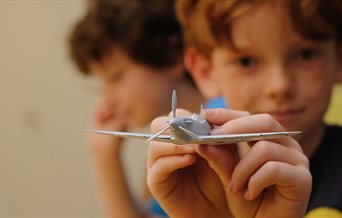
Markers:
{"x": 195, "y": 130}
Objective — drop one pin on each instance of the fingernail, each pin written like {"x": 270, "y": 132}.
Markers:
{"x": 208, "y": 113}
{"x": 217, "y": 131}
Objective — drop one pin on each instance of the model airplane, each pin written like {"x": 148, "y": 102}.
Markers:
{"x": 195, "y": 130}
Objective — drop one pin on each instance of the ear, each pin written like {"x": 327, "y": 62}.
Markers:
{"x": 200, "y": 69}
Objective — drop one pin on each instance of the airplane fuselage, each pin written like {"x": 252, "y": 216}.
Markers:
{"x": 196, "y": 124}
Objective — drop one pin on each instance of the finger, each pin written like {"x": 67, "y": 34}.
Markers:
{"x": 292, "y": 182}
{"x": 157, "y": 150}
{"x": 106, "y": 117}
{"x": 221, "y": 159}
{"x": 256, "y": 124}
{"x": 158, "y": 124}
{"x": 102, "y": 112}
{"x": 219, "y": 116}
{"x": 258, "y": 155}
{"x": 168, "y": 164}
{"x": 163, "y": 168}
{"x": 180, "y": 113}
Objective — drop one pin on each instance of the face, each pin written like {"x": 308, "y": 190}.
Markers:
{"x": 133, "y": 91}
{"x": 274, "y": 70}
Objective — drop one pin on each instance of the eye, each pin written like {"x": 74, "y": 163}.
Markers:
{"x": 306, "y": 54}
{"x": 246, "y": 61}
{"x": 116, "y": 77}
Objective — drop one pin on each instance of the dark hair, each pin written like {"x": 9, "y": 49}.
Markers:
{"x": 147, "y": 30}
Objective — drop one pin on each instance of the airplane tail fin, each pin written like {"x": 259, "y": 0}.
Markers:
{"x": 201, "y": 111}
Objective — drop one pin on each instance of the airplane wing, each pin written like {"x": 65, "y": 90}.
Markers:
{"x": 236, "y": 138}
{"x": 160, "y": 138}
{"x": 202, "y": 139}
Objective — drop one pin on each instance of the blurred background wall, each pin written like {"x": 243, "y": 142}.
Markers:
{"x": 45, "y": 167}
{"x": 334, "y": 114}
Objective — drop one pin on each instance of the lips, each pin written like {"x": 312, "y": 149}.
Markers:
{"x": 287, "y": 115}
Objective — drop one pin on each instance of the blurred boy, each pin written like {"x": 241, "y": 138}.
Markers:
{"x": 278, "y": 60}
{"x": 135, "y": 48}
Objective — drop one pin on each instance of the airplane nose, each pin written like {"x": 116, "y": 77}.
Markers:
{"x": 174, "y": 123}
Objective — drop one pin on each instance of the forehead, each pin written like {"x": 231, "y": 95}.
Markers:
{"x": 263, "y": 23}
{"x": 114, "y": 59}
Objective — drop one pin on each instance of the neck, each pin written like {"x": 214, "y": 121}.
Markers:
{"x": 190, "y": 98}
{"x": 311, "y": 140}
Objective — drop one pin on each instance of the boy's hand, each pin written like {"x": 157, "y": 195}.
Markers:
{"x": 106, "y": 146}
{"x": 181, "y": 180}
{"x": 271, "y": 180}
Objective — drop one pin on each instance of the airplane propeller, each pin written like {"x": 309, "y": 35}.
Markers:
{"x": 158, "y": 134}
{"x": 174, "y": 103}
{"x": 174, "y": 107}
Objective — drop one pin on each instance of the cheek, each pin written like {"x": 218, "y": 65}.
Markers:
{"x": 317, "y": 81}
{"x": 134, "y": 86}
{"x": 315, "y": 75}
{"x": 240, "y": 93}
{"x": 316, "y": 94}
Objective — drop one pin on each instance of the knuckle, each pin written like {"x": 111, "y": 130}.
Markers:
{"x": 253, "y": 181}
{"x": 297, "y": 146}
{"x": 304, "y": 160}
{"x": 263, "y": 148}
{"x": 269, "y": 121}
{"x": 150, "y": 180}
{"x": 306, "y": 177}
{"x": 270, "y": 167}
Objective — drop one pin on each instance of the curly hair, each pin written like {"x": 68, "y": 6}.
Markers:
{"x": 146, "y": 30}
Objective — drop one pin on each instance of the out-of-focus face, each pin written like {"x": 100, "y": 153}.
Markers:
{"x": 276, "y": 71}
{"x": 132, "y": 91}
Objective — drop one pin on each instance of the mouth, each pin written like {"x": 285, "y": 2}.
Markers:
{"x": 286, "y": 115}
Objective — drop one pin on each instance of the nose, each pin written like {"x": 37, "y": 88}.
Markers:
{"x": 280, "y": 81}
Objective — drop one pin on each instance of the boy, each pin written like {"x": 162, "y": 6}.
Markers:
{"x": 135, "y": 48}
{"x": 278, "y": 60}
